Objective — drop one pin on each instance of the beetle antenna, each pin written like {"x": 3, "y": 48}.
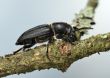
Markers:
{"x": 85, "y": 28}
{"x": 78, "y": 29}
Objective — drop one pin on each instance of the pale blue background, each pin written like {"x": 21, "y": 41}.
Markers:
{"x": 16, "y": 16}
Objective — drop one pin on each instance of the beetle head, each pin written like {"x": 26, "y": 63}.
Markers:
{"x": 70, "y": 36}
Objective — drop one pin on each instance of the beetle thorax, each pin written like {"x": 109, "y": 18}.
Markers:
{"x": 60, "y": 30}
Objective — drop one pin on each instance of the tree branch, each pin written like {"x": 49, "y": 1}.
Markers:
{"x": 62, "y": 54}
{"x": 35, "y": 59}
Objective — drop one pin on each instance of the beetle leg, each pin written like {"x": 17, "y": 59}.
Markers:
{"x": 27, "y": 46}
{"x": 70, "y": 41}
{"x": 23, "y": 48}
{"x": 47, "y": 52}
{"x": 17, "y": 50}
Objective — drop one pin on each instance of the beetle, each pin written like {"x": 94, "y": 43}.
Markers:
{"x": 47, "y": 32}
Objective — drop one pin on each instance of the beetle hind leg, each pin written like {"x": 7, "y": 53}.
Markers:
{"x": 17, "y": 50}
{"x": 23, "y": 48}
{"x": 27, "y": 47}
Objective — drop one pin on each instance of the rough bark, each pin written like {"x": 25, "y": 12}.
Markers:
{"x": 36, "y": 59}
{"x": 62, "y": 54}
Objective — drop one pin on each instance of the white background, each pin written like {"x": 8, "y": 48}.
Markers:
{"x": 16, "y": 16}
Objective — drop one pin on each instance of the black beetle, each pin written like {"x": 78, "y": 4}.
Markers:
{"x": 46, "y": 32}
